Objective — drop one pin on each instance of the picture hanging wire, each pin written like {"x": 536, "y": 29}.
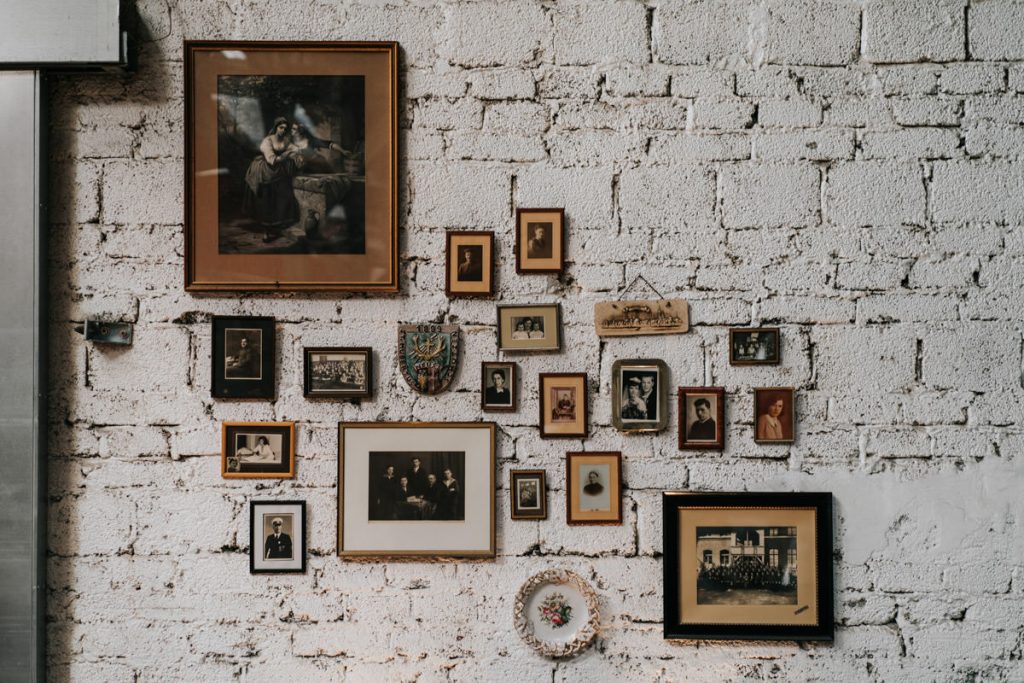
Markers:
{"x": 640, "y": 277}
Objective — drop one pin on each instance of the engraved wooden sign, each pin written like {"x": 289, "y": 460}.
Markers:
{"x": 634, "y": 318}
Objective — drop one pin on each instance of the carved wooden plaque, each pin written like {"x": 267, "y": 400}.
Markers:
{"x": 633, "y": 318}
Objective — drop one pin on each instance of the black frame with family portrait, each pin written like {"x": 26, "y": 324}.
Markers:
{"x": 820, "y": 503}
{"x": 737, "y": 331}
{"x": 487, "y": 368}
{"x": 259, "y": 387}
{"x": 518, "y": 512}
{"x": 688, "y": 444}
{"x": 638, "y": 368}
{"x": 557, "y": 242}
{"x": 451, "y": 285}
{"x": 285, "y": 469}
{"x": 300, "y": 506}
{"x": 790, "y": 392}
{"x": 365, "y": 391}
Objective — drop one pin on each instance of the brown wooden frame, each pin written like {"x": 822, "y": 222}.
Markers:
{"x": 792, "y": 414}
{"x": 547, "y": 349}
{"x": 415, "y": 554}
{"x": 586, "y": 405}
{"x": 448, "y": 237}
{"x": 392, "y": 286}
{"x": 542, "y": 493}
{"x": 520, "y": 246}
{"x": 568, "y": 489}
{"x": 733, "y": 331}
{"x": 513, "y": 386}
{"x": 339, "y": 393}
{"x": 289, "y": 474}
{"x": 718, "y": 445}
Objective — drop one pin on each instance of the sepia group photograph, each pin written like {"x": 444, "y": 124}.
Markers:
{"x": 338, "y": 372}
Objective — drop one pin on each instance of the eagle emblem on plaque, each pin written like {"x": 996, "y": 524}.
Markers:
{"x": 428, "y": 356}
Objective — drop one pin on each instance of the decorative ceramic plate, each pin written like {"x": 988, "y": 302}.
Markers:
{"x": 556, "y": 613}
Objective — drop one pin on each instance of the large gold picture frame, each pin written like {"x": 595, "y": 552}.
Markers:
{"x": 291, "y": 166}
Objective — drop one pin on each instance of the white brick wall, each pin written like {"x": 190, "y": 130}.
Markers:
{"x": 851, "y": 171}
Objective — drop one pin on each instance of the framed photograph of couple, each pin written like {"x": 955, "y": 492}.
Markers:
{"x": 701, "y": 418}
{"x": 540, "y": 241}
{"x": 258, "y": 450}
{"x": 748, "y": 566}
{"x": 639, "y": 395}
{"x": 277, "y": 536}
{"x": 498, "y": 386}
{"x": 416, "y": 489}
{"x": 469, "y": 263}
{"x": 244, "y": 354}
{"x": 528, "y": 493}
{"x": 593, "y": 488}
{"x": 338, "y": 372}
{"x": 530, "y": 327}
{"x": 290, "y": 166}
{"x": 564, "y": 411}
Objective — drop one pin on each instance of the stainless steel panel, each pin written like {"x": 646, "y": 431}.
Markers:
{"x": 22, "y": 379}
{"x": 61, "y": 32}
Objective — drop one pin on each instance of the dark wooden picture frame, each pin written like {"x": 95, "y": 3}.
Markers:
{"x": 762, "y": 400}
{"x": 324, "y": 261}
{"x": 547, "y": 429}
{"x": 366, "y": 391}
{"x": 638, "y": 367}
{"x": 487, "y": 369}
{"x": 555, "y": 263}
{"x": 258, "y": 541}
{"x": 232, "y": 467}
{"x": 508, "y": 343}
{"x": 688, "y": 444}
{"x": 456, "y": 288}
{"x": 773, "y": 359}
{"x": 228, "y": 334}
{"x": 821, "y": 628}
{"x": 514, "y": 476}
{"x": 580, "y": 517}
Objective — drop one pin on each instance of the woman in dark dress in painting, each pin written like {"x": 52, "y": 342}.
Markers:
{"x": 269, "y": 198}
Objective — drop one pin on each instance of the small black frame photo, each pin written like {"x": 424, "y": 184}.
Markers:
{"x": 748, "y": 566}
{"x": 244, "y": 354}
{"x": 344, "y": 372}
{"x": 277, "y": 537}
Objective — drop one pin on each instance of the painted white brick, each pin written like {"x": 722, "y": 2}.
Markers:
{"x": 770, "y": 195}
{"x": 701, "y": 32}
{"x": 654, "y": 197}
{"x": 913, "y": 31}
{"x": 822, "y": 145}
{"x": 494, "y": 34}
{"x": 867, "y": 193}
{"x": 996, "y": 30}
{"x": 795, "y": 113}
{"x": 967, "y": 191}
{"x": 796, "y": 33}
{"x": 587, "y": 33}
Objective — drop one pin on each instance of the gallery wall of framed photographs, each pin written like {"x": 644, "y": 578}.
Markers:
{"x": 478, "y": 336}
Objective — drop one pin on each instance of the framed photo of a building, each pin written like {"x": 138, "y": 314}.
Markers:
{"x": 290, "y": 166}
{"x": 529, "y": 327}
{"x": 244, "y": 354}
{"x": 593, "y": 488}
{"x": 469, "y": 263}
{"x": 564, "y": 409}
{"x": 258, "y": 450}
{"x": 277, "y": 536}
{"x": 701, "y": 418}
{"x": 528, "y": 494}
{"x": 416, "y": 489}
{"x": 748, "y": 566}
{"x": 338, "y": 372}
{"x": 640, "y": 395}
{"x": 498, "y": 386}
{"x": 540, "y": 241}
{"x": 755, "y": 346}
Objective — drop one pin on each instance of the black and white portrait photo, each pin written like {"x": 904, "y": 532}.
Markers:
{"x": 593, "y": 480}
{"x": 291, "y": 154}
{"x": 258, "y": 449}
{"x": 337, "y": 372}
{"x": 639, "y": 400}
{"x": 563, "y": 404}
{"x": 754, "y": 346}
{"x": 498, "y": 386}
{"x": 416, "y": 486}
{"x": 701, "y": 410}
{"x": 255, "y": 449}
{"x": 243, "y": 349}
{"x": 529, "y": 494}
{"x": 539, "y": 241}
{"x": 277, "y": 533}
{"x": 747, "y": 565}
{"x": 528, "y": 327}
{"x": 471, "y": 261}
